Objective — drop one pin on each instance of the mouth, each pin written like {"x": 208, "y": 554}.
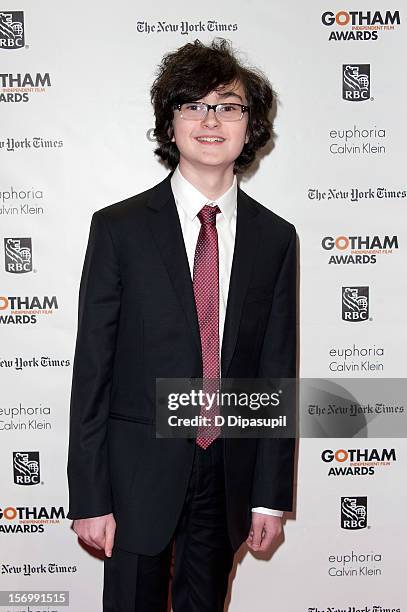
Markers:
{"x": 210, "y": 140}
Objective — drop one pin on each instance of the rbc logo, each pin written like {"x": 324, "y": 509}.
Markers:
{"x": 355, "y": 304}
{"x": 353, "y": 512}
{"x": 18, "y": 252}
{"x": 356, "y": 82}
{"x": 11, "y": 30}
{"x": 26, "y": 467}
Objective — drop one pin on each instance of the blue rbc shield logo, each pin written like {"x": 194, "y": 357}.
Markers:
{"x": 353, "y": 512}
{"x": 18, "y": 253}
{"x": 355, "y": 304}
{"x": 356, "y": 82}
{"x": 11, "y": 30}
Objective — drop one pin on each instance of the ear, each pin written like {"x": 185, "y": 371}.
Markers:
{"x": 247, "y": 138}
{"x": 171, "y": 133}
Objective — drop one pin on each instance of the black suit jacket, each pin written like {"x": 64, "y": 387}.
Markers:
{"x": 137, "y": 321}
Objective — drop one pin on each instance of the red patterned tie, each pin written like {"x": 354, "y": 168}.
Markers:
{"x": 206, "y": 291}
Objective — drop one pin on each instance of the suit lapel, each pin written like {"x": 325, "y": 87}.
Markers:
{"x": 246, "y": 243}
{"x": 166, "y": 229}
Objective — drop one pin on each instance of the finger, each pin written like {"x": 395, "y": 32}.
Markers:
{"x": 88, "y": 541}
{"x": 257, "y": 533}
{"x": 109, "y": 540}
{"x": 266, "y": 541}
{"x": 97, "y": 541}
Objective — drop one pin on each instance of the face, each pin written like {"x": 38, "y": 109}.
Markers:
{"x": 198, "y": 153}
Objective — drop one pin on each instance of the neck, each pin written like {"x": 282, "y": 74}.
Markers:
{"x": 211, "y": 182}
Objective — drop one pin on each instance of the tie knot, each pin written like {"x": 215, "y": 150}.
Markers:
{"x": 207, "y": 214}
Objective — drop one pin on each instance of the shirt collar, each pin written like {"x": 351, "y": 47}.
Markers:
{"x": 191, "y": 200}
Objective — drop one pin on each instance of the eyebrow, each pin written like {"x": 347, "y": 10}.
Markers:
{"x": 226, "y": 94}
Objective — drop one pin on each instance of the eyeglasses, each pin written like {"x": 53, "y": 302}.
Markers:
{"x": 197, "y": 111}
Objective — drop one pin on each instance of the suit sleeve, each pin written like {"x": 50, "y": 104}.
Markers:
{"x": 98, "y": 315}
{"x": 274, "y": 470}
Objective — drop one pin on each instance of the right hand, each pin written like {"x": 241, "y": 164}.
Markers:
{"x": 97, "y": 532}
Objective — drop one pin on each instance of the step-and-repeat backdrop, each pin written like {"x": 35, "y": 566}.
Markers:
{"x": 76, "y": 135}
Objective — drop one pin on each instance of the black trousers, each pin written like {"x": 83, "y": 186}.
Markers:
{"x": 203, "y": 554}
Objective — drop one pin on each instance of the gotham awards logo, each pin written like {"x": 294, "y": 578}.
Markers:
{"x": 356, "y": 82}
{"x": 11, "y": 30}
{"x": 355, "y": 304}
{"x": 18, "y": 254}
{"x": 359, "y": 25}
{"x": 353, "y": 512}
{"x": 26, "y": 467}
{"x": 359, "y": 249}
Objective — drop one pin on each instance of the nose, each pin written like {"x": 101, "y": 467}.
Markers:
{"x": 210, "y": 120}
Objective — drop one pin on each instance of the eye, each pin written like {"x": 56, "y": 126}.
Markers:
{"x": 230, "y": 107}
{"x": 193, "y": 106}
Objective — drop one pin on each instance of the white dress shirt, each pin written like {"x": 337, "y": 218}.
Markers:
{"x": 189, "y": 202}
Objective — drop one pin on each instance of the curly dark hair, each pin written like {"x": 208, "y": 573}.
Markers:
{"x": 190, "y": 73}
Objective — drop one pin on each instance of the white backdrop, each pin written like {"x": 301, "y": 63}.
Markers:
{"x": 80, "y": 140}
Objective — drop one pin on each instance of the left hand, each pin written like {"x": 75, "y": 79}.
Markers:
{"x": 263, "y": 531}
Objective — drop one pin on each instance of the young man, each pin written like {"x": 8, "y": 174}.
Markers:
{"x": 192, "y": 278}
